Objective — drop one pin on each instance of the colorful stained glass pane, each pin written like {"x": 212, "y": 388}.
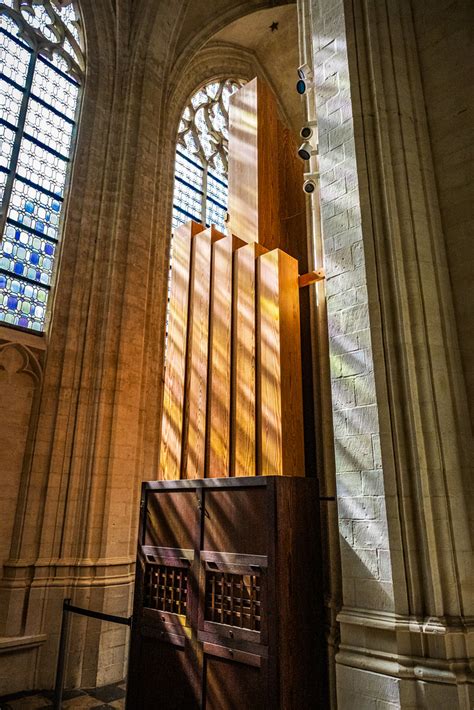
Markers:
{"x": 33, "y": 208}
{"x": 35, "y": 147}
{"x": 22, "y": 304}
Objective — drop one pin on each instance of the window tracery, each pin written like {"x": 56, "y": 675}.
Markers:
{"x": 41, "y": 70}
{"x": 201, "y": 155}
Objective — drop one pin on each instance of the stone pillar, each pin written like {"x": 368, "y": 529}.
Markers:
{"x": 94, "y": 435}
{"x": 399, "y": 409}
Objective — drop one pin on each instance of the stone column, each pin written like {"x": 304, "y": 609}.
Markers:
{"x": 399, "y": 409}
{"x": 94, "y": 437}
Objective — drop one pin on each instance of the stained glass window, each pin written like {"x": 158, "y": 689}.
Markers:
{"x": 200, "y": 190}
{"x": 41, "y": 70}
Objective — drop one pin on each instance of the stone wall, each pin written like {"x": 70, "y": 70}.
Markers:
{"x": 399, "y": 406}
{"x": 367, "y": 580}
{"x": 86, "y": 404}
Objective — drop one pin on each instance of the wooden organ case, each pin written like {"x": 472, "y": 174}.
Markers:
{"x": 228, "y": 601}
{"x": 227, "y": 605}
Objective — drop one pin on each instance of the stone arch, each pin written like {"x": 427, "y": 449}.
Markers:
{"x": 16, "y": 358}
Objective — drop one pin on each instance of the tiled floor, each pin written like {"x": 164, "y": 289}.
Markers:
{"x": 110, "y": 696}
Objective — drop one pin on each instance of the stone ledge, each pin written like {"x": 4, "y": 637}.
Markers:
{"x": 430, "y": 649}
{"x": 36, "y": 341}
{"x": 20, "y": 643}
{"x": 20, "y": 574}
{"x": 400, "y": 622}
{"x": 432, "y": 670}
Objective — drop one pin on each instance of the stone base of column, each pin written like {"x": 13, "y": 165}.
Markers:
{"x": 97, "y": 651}
{"x": 387, "y": 661}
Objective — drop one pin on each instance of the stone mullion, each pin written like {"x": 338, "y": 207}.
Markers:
{"x": 156, "y": 312}
{"x": 63, "y": 383}
{"x": 123, "y": 466}
{"x": 361, "y": 490}
{"x": 92, "y": 356}
{"x": 154, "y": 178}
{"x": 115, "y": 231}
{"x": 405, "y": 181}
{"x": 413, "y": 286}
{"x": 133, "y": 397}
{"x": 96, "y": 473}
{"x": 370, "y": 45}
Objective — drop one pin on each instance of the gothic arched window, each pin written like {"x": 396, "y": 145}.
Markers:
{"x": 41, "y": 71}
{"x": 200, "y": 189}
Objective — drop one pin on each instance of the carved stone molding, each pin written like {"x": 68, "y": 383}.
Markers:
{"x": 50, "y": 28}
{"x": 419, "y": 648}
{"x": 16, "y": 358}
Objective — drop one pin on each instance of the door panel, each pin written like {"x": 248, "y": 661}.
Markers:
{"x": 172, "y": 519}
{"x": 236, "y": 521}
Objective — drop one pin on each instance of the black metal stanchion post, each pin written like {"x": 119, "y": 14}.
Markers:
{"x": 68, "y": 608}
{"x": 61, "y": 664}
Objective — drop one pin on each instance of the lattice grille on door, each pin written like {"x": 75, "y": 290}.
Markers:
{"x": 165, "y": 588}
{"x": 233, "y": 599}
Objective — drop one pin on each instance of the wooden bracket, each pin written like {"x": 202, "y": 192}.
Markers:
{"x": 311, "y": 278}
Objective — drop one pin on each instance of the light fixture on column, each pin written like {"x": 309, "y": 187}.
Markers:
{"x": 305, "y": 79}
{"x": 307, "y": 131}
{"x": 310, "y": 182}
{"x": 306, "y": 150}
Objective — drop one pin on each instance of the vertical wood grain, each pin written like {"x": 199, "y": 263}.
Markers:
{"x": 174, "y": 386}
{"x": 220, "y": 337}
{"x": 194, "y": 443}
{"x": 266, "y": 199}
{"x": 281, "y": 445}
{"x": 243, "y": 163}
{"x": 243, "y": 447}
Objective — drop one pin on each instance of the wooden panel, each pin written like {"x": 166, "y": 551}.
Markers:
{"x": 234, "y": 598}
{"x": 243, "y": 163}
{"x": 243, "y": 447}
{"x": 251, "y": 659}
{"x": 220, "y": 357}
{"x": 225, "y": 511}
{"x": 173, "y": 400}
{"x": 293, "y": 235}
{"x": 232, "y": 684}
{"x": 281, "y": 446}
{"x": 171, "y": 519}
{"x": 299, "y": 590}
{"x": 217, "y": 656}
{"x": 254, "y": 195}
{"x": 194, "y": 446}
{"x": 266, "y": 199}
{"x": 164, "y": 675}
{"x": 270, "y": 169}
